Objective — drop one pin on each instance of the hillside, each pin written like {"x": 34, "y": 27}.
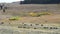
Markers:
{"x": 53, "y": 8}
{"x": 16, "y": 19}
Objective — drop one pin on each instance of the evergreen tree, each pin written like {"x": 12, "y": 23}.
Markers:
{"x": 41, "y": 1}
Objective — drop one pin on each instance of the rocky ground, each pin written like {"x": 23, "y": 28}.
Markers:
{"x": 26, "y": 26}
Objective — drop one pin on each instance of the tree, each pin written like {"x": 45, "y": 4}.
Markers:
{"x": 41, "y": 1}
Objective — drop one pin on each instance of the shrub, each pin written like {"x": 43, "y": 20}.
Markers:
{"x": 34, "y": 14}
{"x": 14, "y": 18}
{"x": 35, "y": 28}
{"x": 45, "y": 27}
{"x": 38, "y": 14}
{"x": 2, "y": 23}
{"x": 44, "y": 13}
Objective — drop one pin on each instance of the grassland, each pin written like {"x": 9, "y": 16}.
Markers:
{"x": 26, "y": 24}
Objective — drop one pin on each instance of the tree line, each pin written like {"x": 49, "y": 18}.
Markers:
{"x": 40, "y": 2}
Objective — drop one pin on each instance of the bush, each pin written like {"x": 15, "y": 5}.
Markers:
{"x": 38, "y": 14}
{"x": 1, "y": 23}
{"x": 34, "y": 14}
{"x": 44, "y": 13}
{"x": 14, "y": 18}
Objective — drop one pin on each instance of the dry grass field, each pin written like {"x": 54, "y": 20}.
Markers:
{"x": 22, "y": 24}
